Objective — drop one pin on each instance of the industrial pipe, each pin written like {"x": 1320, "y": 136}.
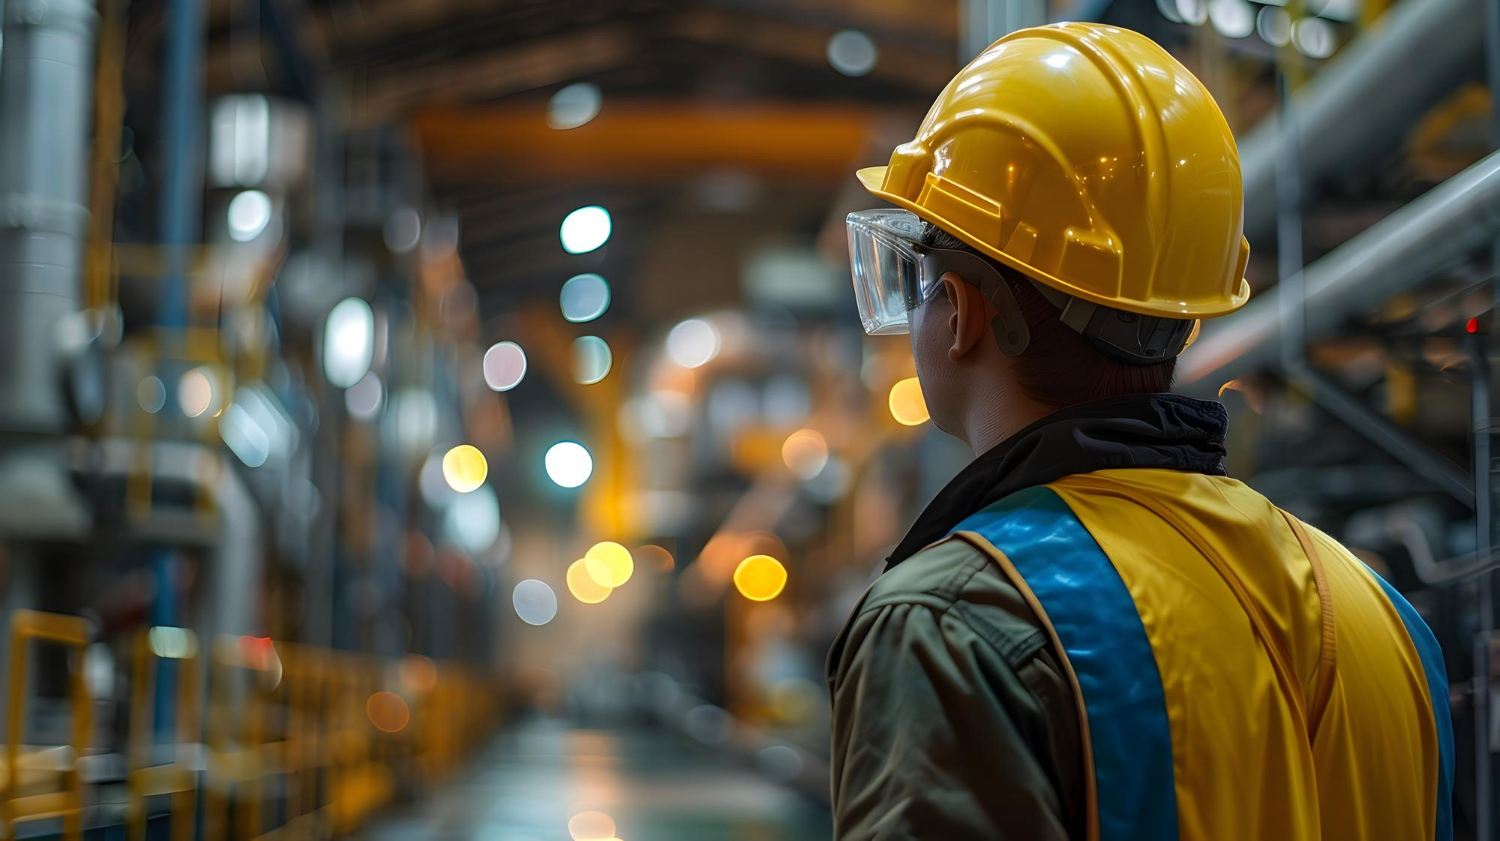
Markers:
{"x": 1409, "y": 59}
{"x": 1441, "y": 228}
{"x": 46, "y": 75}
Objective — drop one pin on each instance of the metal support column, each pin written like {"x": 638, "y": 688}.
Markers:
{"x": 181, "y": 222}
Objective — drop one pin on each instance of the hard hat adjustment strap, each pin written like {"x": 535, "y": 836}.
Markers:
{"x": 1125, "y": 337}
{"x": 1008, "y": 325}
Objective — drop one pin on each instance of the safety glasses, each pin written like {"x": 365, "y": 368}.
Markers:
{"x": 894, "y": 273}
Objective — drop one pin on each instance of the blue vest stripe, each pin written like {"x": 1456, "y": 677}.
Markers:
{"x": 1100, "y": 630}
{"x": 1437, "y": 688}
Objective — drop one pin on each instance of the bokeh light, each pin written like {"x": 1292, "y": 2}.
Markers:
{"x": 693, "y": 343}
{"x": 504, "y": 366}
{"x": 908, "y": 406}
{"x": 151, "y": 393}
{"x": 609, "y": 564}
{"x": 591, "y": 826}
{"x": 365, "y": 398}
{"x": 1232, "y": 18}
{"x": 760, "y": 578}
{"x": 534, "y": 602}
{"x": 1314, "y": 37}
{"x": 403, "y": 230}
{"x": 592, "y": 360}
{"x": 464, "y": 468}
{"x": 472, "y": 520}
{"x": 418, "y": 673}
{"x": 348, "y": 342}
{"x": 195, "y": 392}
{"x": 569, "y": 464}
{"x": 249, "y": 214}
{"x": 655, "y": 557}
{"x": 1274, "y": 25}
{"x": 585, "y": 229}
{"x": 574, "y": 106}
{"x": 852, "y": 53}
{"x": 388, "y": 712}
{"x": 783, "y": 763}
{"x": 583, "y": 586}
{"x": 584, "y": 298}
{"x": 805, "y": 453}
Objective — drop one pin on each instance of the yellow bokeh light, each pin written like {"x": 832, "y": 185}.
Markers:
{"x": 609, "y": 564}
{"x": 591, "y": 826}
{"x": 805, "y": 453}
{"x": 908, "y": 406}
{"x": 760, "y": 578}
{"x": 464, "y": 468}
{"x": 583, "y": 586}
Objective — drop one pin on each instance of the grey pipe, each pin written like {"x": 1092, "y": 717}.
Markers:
{"x": 1441, "y": 228}
{"x": 46, "y": 76}
{"x": 1362, "y": 102}
{"x": 234, "y": 573}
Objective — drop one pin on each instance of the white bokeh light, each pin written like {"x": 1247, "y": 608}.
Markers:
{"x": 195, "y": 392}
{"x": 693, "y": 343}
{"x": 584, "y": 298}
{"x": 365, "y": 398}
{"x": 592, "y": 360}
{"x": 569, "y": 464}
{"x": 348, "y": 342}
{"x": 534, "y": 602}
{"x": 852, "y": 53}
{"x": 249, "y": 214}
{"x": 1232, "y": 18}
{"x": 472, "y": 520}
{"x": 504, "y": 366}
{"x": 574, "y": 106}
{"x": 151, "y": 393}
{"x": 585, "y": 229}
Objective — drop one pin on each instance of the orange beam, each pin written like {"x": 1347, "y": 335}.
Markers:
{"x": 631, "y": 142}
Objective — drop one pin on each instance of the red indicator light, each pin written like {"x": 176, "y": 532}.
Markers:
{"x": 1472, "y": 326}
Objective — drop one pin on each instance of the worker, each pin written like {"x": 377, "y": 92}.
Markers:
{"x": 1093, "y": 632}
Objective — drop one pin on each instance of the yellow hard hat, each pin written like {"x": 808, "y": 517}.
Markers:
{"x": 1088, "y": 158}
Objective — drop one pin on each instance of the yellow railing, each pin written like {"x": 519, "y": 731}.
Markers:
{"x": 288, "y": 741}
{"x": 38, "y": 783}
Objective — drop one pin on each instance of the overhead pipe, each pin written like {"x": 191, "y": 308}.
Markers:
{"x": 1439, "y": 229}
{"x": 1368, "y": 95}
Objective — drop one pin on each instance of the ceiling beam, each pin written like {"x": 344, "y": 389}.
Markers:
{"x": 632, "y": 142}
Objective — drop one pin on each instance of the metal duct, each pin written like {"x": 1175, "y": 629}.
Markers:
{"x": 1442, "y": 227}
{"x": 46, "y": 75}
{"x": 1362, "y": 102}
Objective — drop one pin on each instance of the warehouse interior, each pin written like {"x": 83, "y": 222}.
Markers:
{"x": 450, "y": 418}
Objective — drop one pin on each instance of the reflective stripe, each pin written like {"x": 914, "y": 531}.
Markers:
{"x": 1437, "y": 689}
{"x": 1096, "y": 621}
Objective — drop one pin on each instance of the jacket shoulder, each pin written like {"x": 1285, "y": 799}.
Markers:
{"x": 954, "y": 579}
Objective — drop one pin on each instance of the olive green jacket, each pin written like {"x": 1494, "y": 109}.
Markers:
{"x": 952, "y": 719}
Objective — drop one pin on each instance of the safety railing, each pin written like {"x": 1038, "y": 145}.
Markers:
{"x": 38, "y": 783}
{"x": 281, "y": 740}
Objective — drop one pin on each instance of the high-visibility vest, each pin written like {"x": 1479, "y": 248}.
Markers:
{"x": 1238, "y": 674}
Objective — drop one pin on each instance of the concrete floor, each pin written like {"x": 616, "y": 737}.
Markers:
{"x": 657, "y": 787}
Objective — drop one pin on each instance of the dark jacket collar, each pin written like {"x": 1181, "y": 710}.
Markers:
{"x": 1141, "y": 430}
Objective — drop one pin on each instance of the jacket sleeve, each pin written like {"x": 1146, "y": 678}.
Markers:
{"x": 942, "y": 734}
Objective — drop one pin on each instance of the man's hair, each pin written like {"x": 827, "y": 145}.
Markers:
{"x": 1059, "y": 367}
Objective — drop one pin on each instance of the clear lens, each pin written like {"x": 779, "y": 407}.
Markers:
{"x": 887, "y": 274}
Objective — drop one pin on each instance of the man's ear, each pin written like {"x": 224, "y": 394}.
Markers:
{"x": 970, "y": 321}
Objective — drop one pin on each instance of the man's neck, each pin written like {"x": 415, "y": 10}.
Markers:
{"x": 990, "y": 422}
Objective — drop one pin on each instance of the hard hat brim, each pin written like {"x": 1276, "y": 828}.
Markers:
{"x": 872, "y": 178}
